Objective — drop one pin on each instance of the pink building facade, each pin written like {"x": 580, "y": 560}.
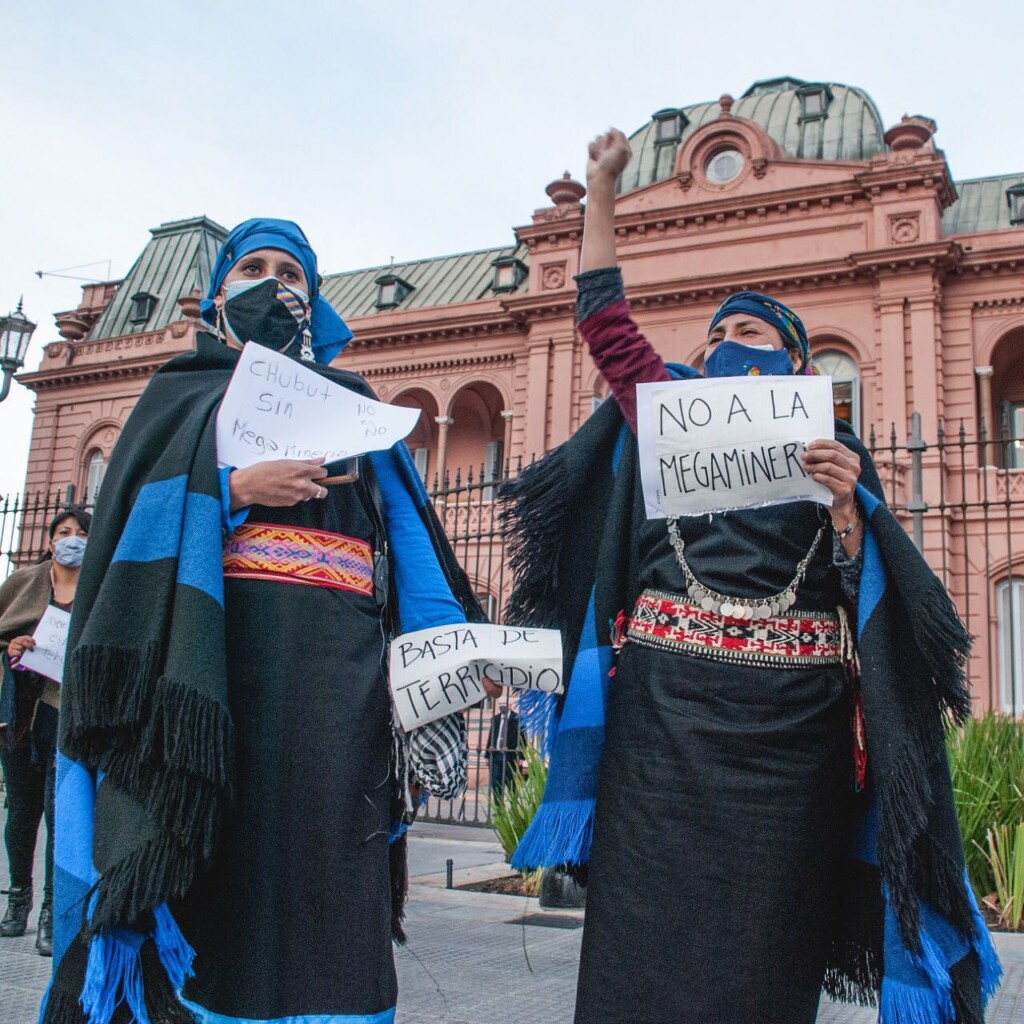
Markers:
{"x": 911, "y": 285}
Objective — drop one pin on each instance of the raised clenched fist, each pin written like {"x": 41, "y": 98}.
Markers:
{"x": 607, "y": 156}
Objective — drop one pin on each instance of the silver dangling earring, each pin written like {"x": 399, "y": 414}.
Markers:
{"x": 306, "y": 352}
{"x": 219, "y": 326}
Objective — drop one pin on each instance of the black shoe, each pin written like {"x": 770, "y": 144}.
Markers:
{"x": 44, "y": 930}
{"x": 19, "y": 903}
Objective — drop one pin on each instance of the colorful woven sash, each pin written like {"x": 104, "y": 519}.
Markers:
{"x": 317, "y": 558}
{"x": 669, "y": 622}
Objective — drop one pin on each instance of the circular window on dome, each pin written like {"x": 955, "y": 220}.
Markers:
{"x": 724, "y": 166}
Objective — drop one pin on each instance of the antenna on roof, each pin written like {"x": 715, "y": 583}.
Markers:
{"x": 60, "y": 272}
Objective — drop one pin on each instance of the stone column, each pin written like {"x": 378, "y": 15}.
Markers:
{"x": 507, "y": 415}
{"x": 893, "y": 366}
{"x": 923, "y": 345}
{"x": 536, "y": 424}
{"x": 443, "y": 423}
{"x": 986, "y": 451}
{"x": 561, "y": 391}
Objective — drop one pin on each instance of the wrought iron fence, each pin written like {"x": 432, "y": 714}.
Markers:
{"x": 25, "y": 524}
{"x": 960, "y": 497}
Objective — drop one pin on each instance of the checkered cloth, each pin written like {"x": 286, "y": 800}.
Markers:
{"x": 438, "y": 752}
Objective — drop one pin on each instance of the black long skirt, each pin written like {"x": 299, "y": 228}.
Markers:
{"x": 721, "y": 822}
{"x": 295, "y": 916}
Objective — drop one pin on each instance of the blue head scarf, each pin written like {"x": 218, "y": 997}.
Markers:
{"x": 772, "y": 312}
{"x": 330, "y": 333}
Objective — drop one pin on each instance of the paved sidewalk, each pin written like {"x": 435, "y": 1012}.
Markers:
{"x": 474, "y": 958}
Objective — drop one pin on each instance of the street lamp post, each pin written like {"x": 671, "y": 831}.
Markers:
{"x": 15, "y": 334}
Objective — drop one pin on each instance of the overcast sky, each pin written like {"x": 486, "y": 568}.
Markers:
{"x": 410, "y": 129}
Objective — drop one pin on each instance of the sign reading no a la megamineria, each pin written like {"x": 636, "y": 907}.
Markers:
{"x": 730, "y": 443}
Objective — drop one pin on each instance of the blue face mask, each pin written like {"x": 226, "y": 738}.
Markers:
{"x": 731, "y": 359}
{"x": 69, "y": 551}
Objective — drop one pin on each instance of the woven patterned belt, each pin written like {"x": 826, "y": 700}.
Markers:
{"x": 317, "y": 558}
{"x": 669, "y": 622}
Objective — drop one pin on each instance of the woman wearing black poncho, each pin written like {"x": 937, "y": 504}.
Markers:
{"x": 232, "y": 795}
{"x": 735, "y": 794}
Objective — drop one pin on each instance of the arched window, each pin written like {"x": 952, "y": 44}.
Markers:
{"x": 1010, "y": 628}
{"x": 845, "y": 385}
{"x": 96, "y": 466}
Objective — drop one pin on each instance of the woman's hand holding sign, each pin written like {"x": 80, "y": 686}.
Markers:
{"x": 833, "y": 464}
{"x": 18, "y": 646}
{"x": 277, "y": 484}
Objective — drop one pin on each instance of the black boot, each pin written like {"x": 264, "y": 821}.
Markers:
{"x": 19, "y": 903}
{"x": 44, "y": 929}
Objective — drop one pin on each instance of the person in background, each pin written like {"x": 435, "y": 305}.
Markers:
{"x": 503, "y": 754}
{"x": 28, "y": 741}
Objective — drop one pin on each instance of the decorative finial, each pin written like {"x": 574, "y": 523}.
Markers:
{"x": 565, "y": 192}
{"x": 725, "y": 101}
{"x": 911, "y": 133}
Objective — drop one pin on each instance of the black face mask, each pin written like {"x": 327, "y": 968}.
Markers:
{"x": 266, "y": 312}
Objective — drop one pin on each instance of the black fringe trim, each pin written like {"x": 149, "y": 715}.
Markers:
{"x": 162, "y": 1001}
{"x": 945, "y": 644}
{"x": 63, "y": 1008}
{"x": 184, "y": 807}
{"x": 903, "y": 798}
{"x": 857, "y": 981}
{"x": 913, "y": 865}
{"x": 939, "y": 635}
{"x": 169, "y": 747}
{"x": 398, "y": 862}
{"x": 190, "y": 732}
{"x": 855, "y": 962}
{"x": 534, "y": 508}
{"x": 62, "y": 1004}
{"x": 966, "y": 977}
{"x": 156, "y": 872}
{"x": 110, "y": 688}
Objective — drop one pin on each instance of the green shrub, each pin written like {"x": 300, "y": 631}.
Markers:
{"x": 1006, "y": 858}
{"x": 986, "y": 760}
{"x": 514, "y": 807}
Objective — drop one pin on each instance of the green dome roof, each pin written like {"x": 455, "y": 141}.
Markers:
{"x": 851, "y": 128}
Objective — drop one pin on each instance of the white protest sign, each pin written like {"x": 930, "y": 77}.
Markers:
{"x": 730, "y": 442}
{"x": 276, "y": 408}
{"x": 51, "y": 637}
{"x": 437, "y": 671}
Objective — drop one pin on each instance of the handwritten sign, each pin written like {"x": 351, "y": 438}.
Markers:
{"x": 729, "y": 443}
{"x": 276, "y": 408}
{"x": 51, "y": 637}
{"x": 435, "y": 672}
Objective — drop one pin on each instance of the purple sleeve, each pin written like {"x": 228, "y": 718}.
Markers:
{"x": 622, "y": 354}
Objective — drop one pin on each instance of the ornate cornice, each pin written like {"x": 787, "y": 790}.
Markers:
{"x": 993, "y": 307}
{"x": 436, "y": 366}
{"x": 72, "y": 376}
{"x": 541, "y": 306}
{"x": 945, "y": 255}
{"x": 437, "y": 328}
{"x": 1007, "y": 258}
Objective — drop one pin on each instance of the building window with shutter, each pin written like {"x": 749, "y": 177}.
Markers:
{"x": 494, "y": 454}
{"x": 95, "y": 467}
{"x": 421, "y": 459}
{"x": 1015, "y": 197}
{"x": 845, "y": 385}
{"x": 143, "y": 305}
{"x": 1010, "y": 627}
